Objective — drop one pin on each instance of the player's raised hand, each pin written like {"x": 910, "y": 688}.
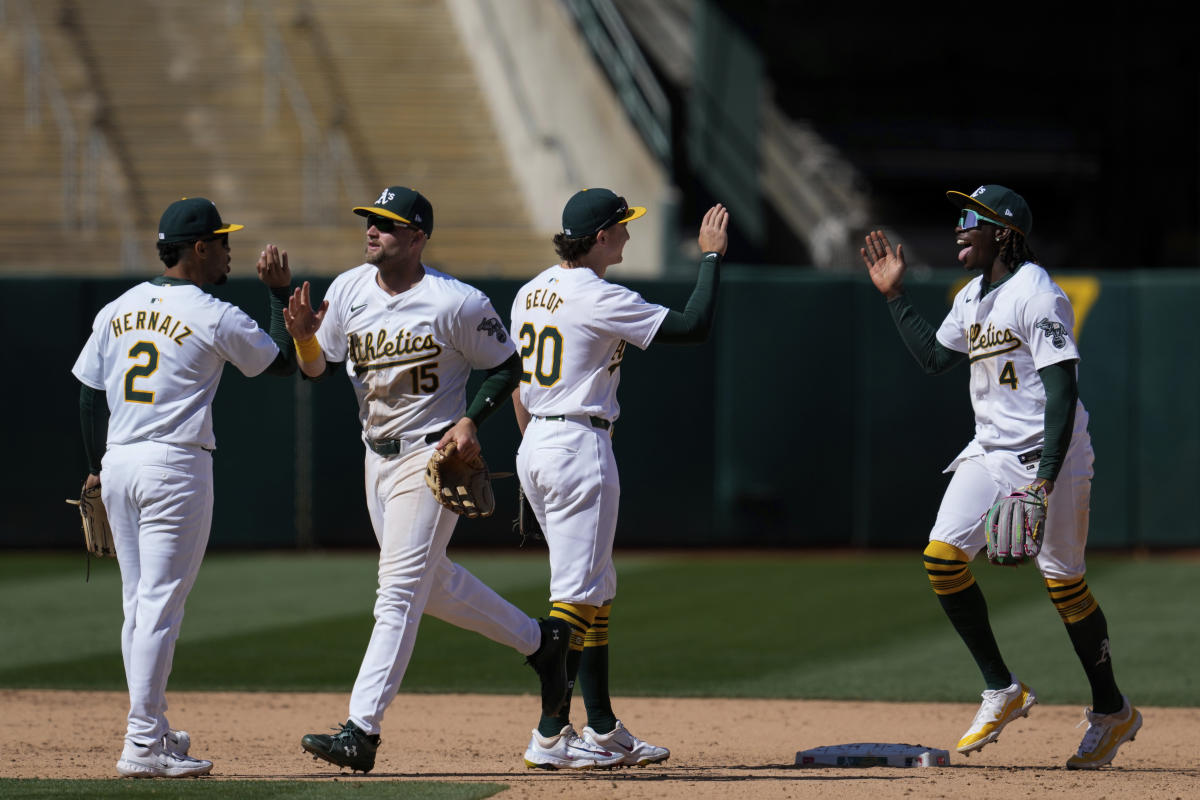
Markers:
{"x": 300, "y": 318}
{"x": 273, "y": 267}
{"x": 714, "y": 237}
{"x": 885, "y": 266}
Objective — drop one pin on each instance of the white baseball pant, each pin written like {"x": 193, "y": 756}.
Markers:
{"x": 416, "y": 576}
{"x": 159, "y": 499}
{"x": 981, "y": 478}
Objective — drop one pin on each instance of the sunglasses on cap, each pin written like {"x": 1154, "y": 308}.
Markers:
{"x": 617, "y": 216}
{"x": 972, "y": 219}
{"x": 387, "y": 224}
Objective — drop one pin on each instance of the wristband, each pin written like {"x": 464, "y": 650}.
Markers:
{"x": 308, "y": 350}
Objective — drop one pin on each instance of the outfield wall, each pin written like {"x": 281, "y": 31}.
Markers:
{"x": 803, "y": 422}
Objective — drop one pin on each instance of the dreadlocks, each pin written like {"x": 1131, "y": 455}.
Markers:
{"x": 1016, "y": 250}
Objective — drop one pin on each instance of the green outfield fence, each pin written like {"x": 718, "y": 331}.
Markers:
{"x": 802, "y": 422}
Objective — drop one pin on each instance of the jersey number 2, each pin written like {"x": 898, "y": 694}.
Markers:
{"x": 145, "y": 370}
{"x": 548, "y": 345}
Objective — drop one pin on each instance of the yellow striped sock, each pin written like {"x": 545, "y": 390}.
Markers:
{"x": 1072, "y": 598}
{"x": 597, "y": 634}
{"x": 580, "y": 618}
{"x": 947, "y": 568}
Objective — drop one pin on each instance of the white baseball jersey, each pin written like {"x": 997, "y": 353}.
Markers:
{"x": 572, "y": 327}
{"x": 1024, "y": 324}
{"x": 158, "y": 351}
{"x": 409, "y": 355}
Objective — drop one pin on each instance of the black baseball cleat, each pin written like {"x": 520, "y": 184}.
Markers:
{"x": 549, "y": 661}
{"x": 349, "y": 747}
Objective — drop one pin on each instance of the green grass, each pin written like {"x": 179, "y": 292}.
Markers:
{"x": 246, "y": 790}
{"x": 791, "y": 625}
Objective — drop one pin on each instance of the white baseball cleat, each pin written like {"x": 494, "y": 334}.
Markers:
{"x": 179, "y": 742}
{"x": 568, "y": 751}
{"x": 158, "y": 760}
{"x": 999, "y": 707}
{"x": 1105, "y": 735}
{"x": 621, "y": 740}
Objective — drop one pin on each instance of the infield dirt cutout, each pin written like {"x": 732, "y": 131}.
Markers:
{"x": 720, "y": 748}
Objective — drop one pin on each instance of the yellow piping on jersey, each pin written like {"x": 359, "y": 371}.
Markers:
{"x": 985, "y": 356}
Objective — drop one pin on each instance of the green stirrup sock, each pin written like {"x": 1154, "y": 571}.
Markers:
{"x": 593, "y": 682}
{"x": 550, "y": 726}
{"x": 968, "y": 614}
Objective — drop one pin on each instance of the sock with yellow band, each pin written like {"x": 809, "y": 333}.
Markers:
{"x": 1088, "y": 630}
{"x": 580, "y": 618}
{"x": 964, "y": 604}
{"x": 593, "y": 674}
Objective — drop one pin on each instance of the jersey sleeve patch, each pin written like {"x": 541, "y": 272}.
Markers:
{"x": 492, "y": 326}
{"x": 1054, "y": 331}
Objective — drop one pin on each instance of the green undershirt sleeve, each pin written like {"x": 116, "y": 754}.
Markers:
{"x": 921, "y": 339}
{"x": 692, "y": 326}
{"x": 1062, "y": 397}
{"x": 496, "y": 388}
{"x": 284, "y": 363}
{"x": 93, "y": 417}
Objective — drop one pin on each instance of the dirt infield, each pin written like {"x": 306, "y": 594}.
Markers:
{"x": 720, "y": 748}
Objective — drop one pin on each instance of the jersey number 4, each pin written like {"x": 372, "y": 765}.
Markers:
{"x": 143, "y": 369}
{"x": 1008, "y": 376}
{"x": 548, "y": 346}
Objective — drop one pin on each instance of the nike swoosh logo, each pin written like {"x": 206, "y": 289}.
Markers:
{"x": 590, "y": 752}
{"x": 356, "y": 309}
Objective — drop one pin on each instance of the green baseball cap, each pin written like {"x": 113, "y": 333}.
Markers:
{"x": 998, "y": 203}
{"x": 189, "y": 219}
{"x": 403, "y": 205}
{"x": 590, "y": 211}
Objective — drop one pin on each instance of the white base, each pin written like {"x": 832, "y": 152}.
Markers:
{"x": 873, "y": 754}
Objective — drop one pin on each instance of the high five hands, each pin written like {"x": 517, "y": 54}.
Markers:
{"x": 885, "y": 266}
{"x": 713, "y": 230}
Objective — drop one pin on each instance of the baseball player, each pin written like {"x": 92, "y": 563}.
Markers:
{"x": 572, "y": 327}
{"x": 1014, "y": 326}
{"x": 408, "y": 337}
{"x": 150, "y": 370}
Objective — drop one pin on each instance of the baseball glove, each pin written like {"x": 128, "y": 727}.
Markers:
{"x": 1014, "y": 526}
{"x": 97, "y": 535}
{"x": 526, "y": 523}
{"x": 462, "y": 485}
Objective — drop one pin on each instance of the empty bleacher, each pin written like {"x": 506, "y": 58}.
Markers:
{"x": 285, "y": 113}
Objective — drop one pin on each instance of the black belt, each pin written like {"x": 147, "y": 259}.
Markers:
{"x": 390, "y": 447}
{"x": 597, "y": 422}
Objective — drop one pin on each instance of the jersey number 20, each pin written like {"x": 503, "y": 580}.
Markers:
{"x": 548, "y": 345}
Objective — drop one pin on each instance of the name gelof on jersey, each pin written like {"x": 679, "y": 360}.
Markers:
{"x": 155, "y": 321}
{"x": 989, "y": 338}
{"x": 543, "y": 298}
{"x": 381, "y": 345}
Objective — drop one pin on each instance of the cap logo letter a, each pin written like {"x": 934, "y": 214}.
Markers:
{"x": 384, "y": 197}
